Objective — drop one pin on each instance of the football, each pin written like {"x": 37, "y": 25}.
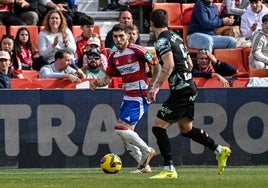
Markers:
{"x": 111, "y": 163}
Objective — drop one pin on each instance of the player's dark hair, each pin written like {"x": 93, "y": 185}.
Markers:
{"x": 159, "y": 17}
{"x": 120, "y": 27}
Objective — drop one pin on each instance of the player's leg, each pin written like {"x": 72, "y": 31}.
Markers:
{"x": 130, "y": 113}
{"x": 201, "y": 137}
{"x": 163, "y": 142}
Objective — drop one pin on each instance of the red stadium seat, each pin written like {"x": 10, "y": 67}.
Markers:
{"x": 258, "y": 73}
{"x": 3, "y": 31}
{"x": 174, "y": 15}
{"x": 234, "y": 57}
{"x": 246, "y": 53}
{"x": 30, "y": 74}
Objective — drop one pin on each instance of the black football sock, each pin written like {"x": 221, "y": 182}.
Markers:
{"x": 201, "y": 137}
{"x": 163, "y": 144}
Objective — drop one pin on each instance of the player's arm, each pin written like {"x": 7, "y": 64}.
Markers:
{"x": 155, "y": 74}
{"x": 101, "y": 82}
{"x": 168, "y": 65}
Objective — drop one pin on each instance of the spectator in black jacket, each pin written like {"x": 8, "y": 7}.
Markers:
{"x": 5, "y": 74}
{"x": 208, "y": 66}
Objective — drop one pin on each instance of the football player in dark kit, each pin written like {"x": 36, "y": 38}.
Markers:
{"x": 179, "y": 107}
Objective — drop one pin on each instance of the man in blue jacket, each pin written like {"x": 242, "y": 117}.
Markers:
{"x": 202, "y": 29}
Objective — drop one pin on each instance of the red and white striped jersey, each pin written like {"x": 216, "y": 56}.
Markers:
{"x": 130, "y": 65}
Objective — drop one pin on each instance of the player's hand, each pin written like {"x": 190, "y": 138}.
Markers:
{"x": 94, "y": 84}
{"x": 152, "y": 94}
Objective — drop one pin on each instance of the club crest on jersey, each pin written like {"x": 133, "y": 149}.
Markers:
{"x": 117, "y": 62}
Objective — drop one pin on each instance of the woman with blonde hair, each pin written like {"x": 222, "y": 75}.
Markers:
{"x": 55, "y": 36}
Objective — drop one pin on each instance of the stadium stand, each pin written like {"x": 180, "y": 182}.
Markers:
{"x": 174, "y": 10}
{"x": 233, "y": 56}
{"x": 3, "y": 30}
{"x": 141, "y": 5}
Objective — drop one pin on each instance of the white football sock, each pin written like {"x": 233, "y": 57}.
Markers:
{"x": 133, "y": 138}
{"x": 217, "y": 151}
{"x": 134, "y": 151}
{"x": 170, "y": 167}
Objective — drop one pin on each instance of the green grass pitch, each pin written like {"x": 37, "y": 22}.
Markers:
{"x": 190, "y": 177}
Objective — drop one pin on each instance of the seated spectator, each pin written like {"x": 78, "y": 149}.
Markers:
{"x": 126, "y": 18}
{"x": 93, "y": 68}
{"x": 55, "y": 36}
{"x": 258, "y": 58}
{"x": 7, "y": 17}
{"x": 133, "y": 31}
{"x": 94, "y": 42}
{"x": 203, "y": 24}
{"x": 208, "y": 66}
{"x": 5, "y": 74}
{"x": 87, "y": 26}
{"x": 8, "y": 44}
{"x": 234, "y": 8}
{"x": 251, "y": 20}
{"x": 30, "y": 11}
{"x": 24, "y": 49}
{"x": 60, "y": 68}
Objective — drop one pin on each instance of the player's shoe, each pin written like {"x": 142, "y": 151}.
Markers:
{"x": 222, "y": 158}
{"x": 166, "y": 174}
{"x": 146, "y": 169}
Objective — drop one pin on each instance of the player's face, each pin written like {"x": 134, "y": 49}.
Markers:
{"x": 120, "y": 39}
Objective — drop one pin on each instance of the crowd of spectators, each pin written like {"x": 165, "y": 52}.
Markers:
{"x": 58, "y": 16}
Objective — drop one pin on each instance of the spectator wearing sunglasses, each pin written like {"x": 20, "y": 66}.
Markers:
{"x": 93, "y": 67}
{"x": 94, "y": 42}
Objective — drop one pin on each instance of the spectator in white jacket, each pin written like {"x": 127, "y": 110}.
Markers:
{"x": 55, "y": 36}
{"x": 258, "y": 58}
{"x": 251, "y": 20}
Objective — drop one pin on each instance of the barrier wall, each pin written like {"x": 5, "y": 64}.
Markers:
{"x": 74, "y": 128}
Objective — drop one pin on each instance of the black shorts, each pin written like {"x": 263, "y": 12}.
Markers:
{"x": 179, "y": 104}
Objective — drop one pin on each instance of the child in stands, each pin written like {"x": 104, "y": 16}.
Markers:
{"x": 87, "y": 26}
{"x": 7, "y": 44}
{"x": 24, "y": 49}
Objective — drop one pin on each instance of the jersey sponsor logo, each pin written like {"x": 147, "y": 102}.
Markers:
{"x": 129, "y": 68}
